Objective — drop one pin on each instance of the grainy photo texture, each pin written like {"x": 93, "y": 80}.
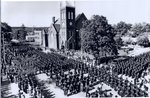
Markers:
{"x": 75, "y": 49}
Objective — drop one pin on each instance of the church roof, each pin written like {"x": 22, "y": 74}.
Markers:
{"x": 79, "y": 21}
{"x": 46, "y": 30}
{"x": 57, "y": 27}
{"x": 79, "y": 16}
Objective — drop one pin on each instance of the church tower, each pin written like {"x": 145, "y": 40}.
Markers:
{"x": 67, "y": 25}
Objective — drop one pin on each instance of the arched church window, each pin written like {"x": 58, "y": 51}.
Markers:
{"x": 68, "y": 15}
{"x": 71, "y": 15}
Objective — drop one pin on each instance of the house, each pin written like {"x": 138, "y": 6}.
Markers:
{"x": 51, "y": 37}
{"x": 35, "y": 36}
{"x": 30, "y": 34}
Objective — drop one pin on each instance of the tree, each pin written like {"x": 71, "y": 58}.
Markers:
{"x": 20, "y": 33}
{"x": 5, "y": 36}
{"x": 137, "y": 29}
{"x": 143, "y": 41}
{"x": 97, "y": 37}
{"x": 6, "y": 30}
{"x": 122, "y": 28}
{"x": 119, "y": 42}
{"x": 147, "y": 27}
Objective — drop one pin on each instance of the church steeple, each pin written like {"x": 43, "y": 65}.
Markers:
{"x": 67, "y": 24}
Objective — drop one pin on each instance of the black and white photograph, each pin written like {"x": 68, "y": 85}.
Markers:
{"x": 75, "y": 49}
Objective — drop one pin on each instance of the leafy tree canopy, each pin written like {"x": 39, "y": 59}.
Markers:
{"x": 6, "y": 30}
{"x": 122, "y": 28}
{"x": 97, "y": 37}
{"x": 5, "y": 27}
{"x": 143, "y": 41}
{"x": 119, "y": 42}
{"x": 140, "y": 28}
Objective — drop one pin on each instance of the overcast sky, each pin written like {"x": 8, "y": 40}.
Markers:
{"x": 40, "y": 13}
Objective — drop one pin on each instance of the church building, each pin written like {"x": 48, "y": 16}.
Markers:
{"x": 66, "y": 34}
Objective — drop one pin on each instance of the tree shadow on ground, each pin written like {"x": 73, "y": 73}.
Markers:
{"x": 5, "y": 90}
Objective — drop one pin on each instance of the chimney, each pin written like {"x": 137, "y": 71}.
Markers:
{"x": 53, "y": 19}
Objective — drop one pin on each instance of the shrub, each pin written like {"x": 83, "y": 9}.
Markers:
{"x": 119, "y": 42}
{"x": 143, "y": 41}
{"x": 129, "y": 41}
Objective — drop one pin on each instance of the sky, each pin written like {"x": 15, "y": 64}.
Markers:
{"x": 40, "y": 13}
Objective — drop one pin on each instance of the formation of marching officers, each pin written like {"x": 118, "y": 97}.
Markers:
{"x": 79, "y": 77}
{"x": 77, "y": 82}
{"x": 133, "y": 67}
{"x": 27, "y": 83}
{"x": 123, "y": 87}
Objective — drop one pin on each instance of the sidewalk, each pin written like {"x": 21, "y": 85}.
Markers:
{"x": 59, "y": 93}
{"x": 10, "y": 90}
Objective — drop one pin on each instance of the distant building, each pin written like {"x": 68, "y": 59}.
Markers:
{"x": 35, "y": 36}
{"x": 51, "y": 37}
{"x": 65, "y": 34}
{"x": 30, "y": 34}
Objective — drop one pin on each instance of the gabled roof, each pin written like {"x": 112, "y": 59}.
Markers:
{"x": 57, "y": 27}
{"x": 46, "y": 30}
{"x": 79, "y": 16}
{"x": 79, "y": 21}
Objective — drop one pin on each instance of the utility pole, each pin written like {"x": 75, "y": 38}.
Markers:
{"x": 4, "y": 50}
{"x": 3, "y": 53}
